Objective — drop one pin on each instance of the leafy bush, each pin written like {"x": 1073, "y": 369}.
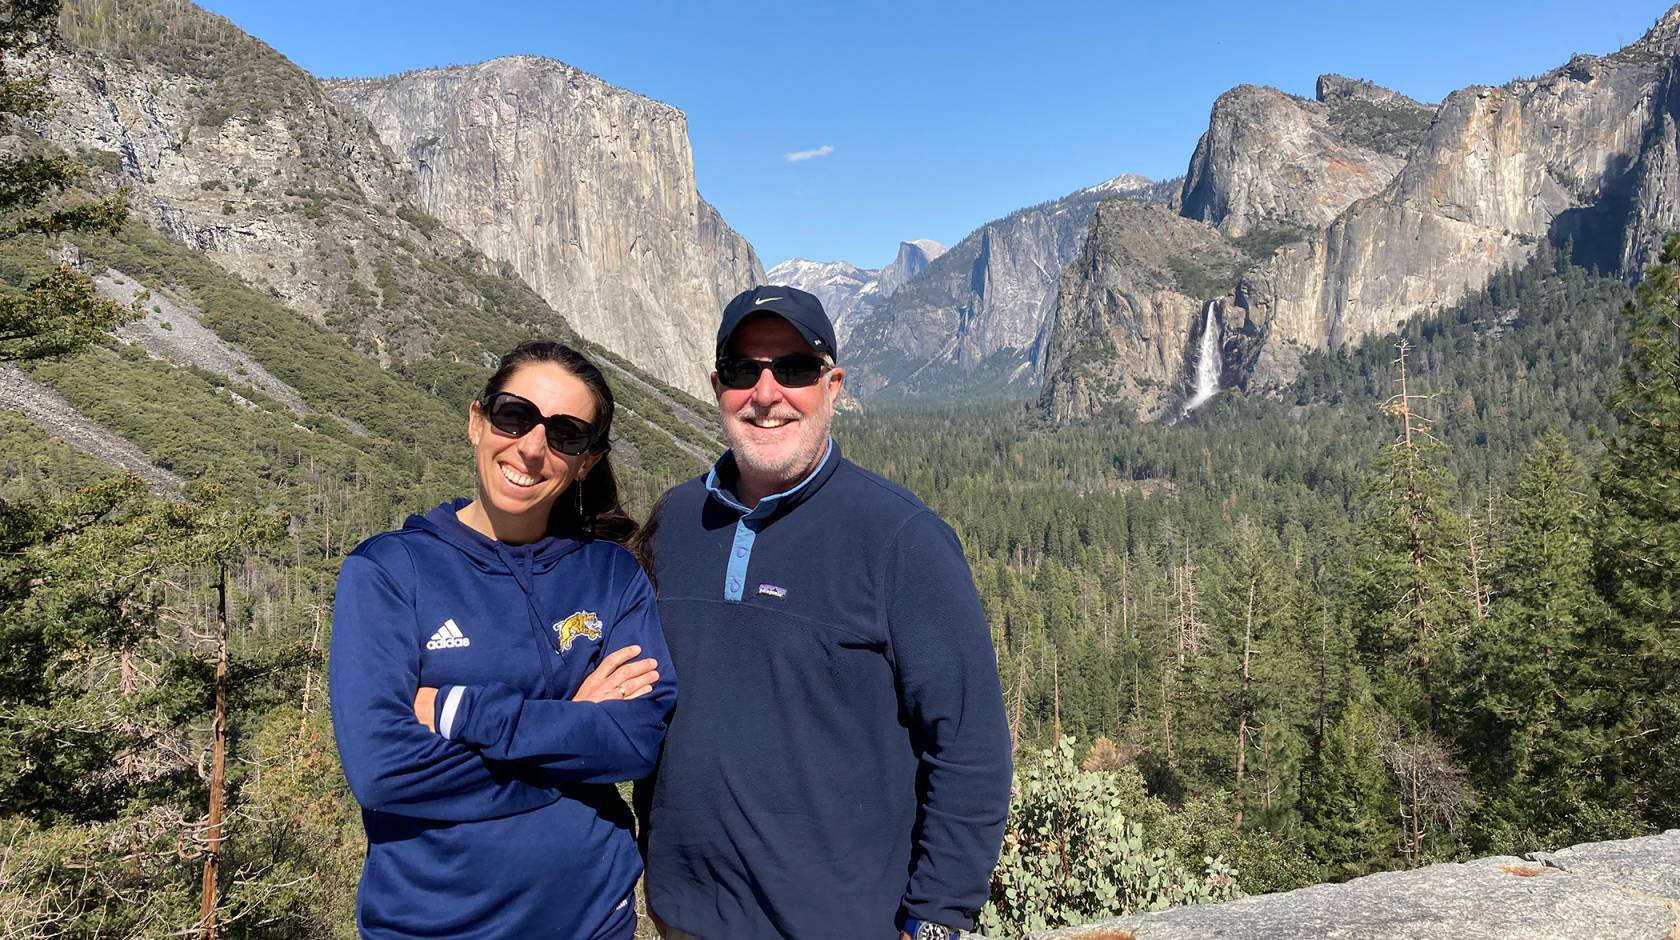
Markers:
{"x": 1071, "y": 855}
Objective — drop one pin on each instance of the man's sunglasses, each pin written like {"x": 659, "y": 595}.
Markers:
{"x": 795, "y": 371}
{"x": 512, "y": 415}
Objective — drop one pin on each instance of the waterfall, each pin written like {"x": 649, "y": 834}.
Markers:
{"x": 1207, "y": 363}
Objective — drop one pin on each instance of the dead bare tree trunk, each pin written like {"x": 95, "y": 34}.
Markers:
{"x": 309, "y": 673}
{"x": 1244, "y": 706}
{"x": 1418, "y": 594}
{"x": 1184, "y": 590}
{"x": 1020, "y": 699}
{"x": 1056, "y": 685}
{"x": 1166, "y": 712}
{"x": 1417, "y": 814}
{"x": 1125, "y": 597}
{"x": 1137, "y": 692}
{"x": 1268, "y": 792}
{"x": 1435, "y": 792}
{"x": 218, "y": 765}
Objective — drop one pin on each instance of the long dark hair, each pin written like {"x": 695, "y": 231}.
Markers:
{"x": 641, "y": 543}
{"x": 601, "y": 515}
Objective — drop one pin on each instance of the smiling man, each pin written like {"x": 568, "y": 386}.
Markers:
{"x": 839, "y": 763}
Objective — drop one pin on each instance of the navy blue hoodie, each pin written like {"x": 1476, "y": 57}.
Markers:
{"x": 505, "y": 823}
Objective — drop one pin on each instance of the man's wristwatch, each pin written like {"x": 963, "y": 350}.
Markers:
{"x": 927, "y": 930}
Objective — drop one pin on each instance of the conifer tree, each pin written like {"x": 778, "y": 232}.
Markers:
{"x": 1280, "y": 751}
{"x": 1638, "y": 556}
{"x": 1411, "y": 592}
{"x": 220, "y": 536}
{"x": 1249, "y": 669}
{"x": 1539, "y": 697}
{"x": 1347, "y": 807}
{"x": 97, "y": 771}
{"x": 107, "y": 701}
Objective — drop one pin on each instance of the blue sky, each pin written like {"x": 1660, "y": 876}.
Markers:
{"x": 930, "y": 119}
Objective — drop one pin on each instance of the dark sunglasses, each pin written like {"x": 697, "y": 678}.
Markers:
{"x": 512, "y": 415}
{"x": 795, "y": 371}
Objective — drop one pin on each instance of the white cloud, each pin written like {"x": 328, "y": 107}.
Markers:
{"x": 799, "y": 155}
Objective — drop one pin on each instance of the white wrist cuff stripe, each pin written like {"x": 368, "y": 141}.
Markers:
{"x": 451, "y": 702}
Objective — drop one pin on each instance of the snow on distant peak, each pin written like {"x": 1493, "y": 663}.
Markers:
{"x": 798, "y": 271}
{"x": 1124, "y": 183}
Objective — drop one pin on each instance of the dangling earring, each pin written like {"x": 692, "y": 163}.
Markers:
{"x": 586, "y": 523}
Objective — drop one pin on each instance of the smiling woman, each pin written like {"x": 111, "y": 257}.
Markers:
{"x": 497, "y": 666}
{"x": 522, "y": 474}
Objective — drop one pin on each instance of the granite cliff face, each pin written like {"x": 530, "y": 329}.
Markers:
{"x": 585, "y": 189}
{"x": 227, "y": 147}
{"x": 1585, "y": 153}
{"x": 274, "y": 202}
{"x": 1362, "y": 212}
{"x": 913, "y": 258}
{"x": 1130, "y": 311}
{"x": 1269, "y": 158}
{"x": 1270, "y": 169}
{"x": 986, "y": 302}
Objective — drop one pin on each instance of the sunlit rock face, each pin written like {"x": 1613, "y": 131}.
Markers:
{"x": 976, "y": 316}
{"x": 1269, "y": 158}
{"x": 1627, "y": 890}
{"x": 1585, "y": 153}
{"x": 283, "y": 188}
{"x": 913, "y": 258}
{"x": 585, "y": 189}
{"x": 1361, "y": 209}
{"x": 1130, "y": 314}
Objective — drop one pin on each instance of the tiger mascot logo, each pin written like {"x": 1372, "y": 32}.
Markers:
{"x": 581, "y": 625}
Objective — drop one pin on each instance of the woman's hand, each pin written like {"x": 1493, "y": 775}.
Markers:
{"x": 618, "y": 679}
{"x": 425, "y": 707}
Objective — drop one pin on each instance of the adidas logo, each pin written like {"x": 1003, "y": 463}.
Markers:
{"x": 448, "y": 636}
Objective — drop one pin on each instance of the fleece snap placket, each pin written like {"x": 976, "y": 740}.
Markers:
{"x": 746, "y": 528}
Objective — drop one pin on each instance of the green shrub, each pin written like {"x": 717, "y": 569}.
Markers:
{"x": 1071, "y": 855}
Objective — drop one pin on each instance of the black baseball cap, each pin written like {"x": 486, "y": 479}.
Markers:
{"x": 797, "y": 307}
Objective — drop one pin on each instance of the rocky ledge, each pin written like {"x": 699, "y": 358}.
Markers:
{"x": 1628, "y": 890}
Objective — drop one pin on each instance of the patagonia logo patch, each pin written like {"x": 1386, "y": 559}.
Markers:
{"x": 772, "y": 590}
{"x": 582, "y": 625}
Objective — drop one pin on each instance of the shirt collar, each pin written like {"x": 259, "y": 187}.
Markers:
{"x": 724, "y": 475}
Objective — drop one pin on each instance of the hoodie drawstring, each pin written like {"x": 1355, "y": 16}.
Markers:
{"x": 519, "y": 565}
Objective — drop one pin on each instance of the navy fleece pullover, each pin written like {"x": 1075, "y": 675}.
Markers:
{"x": 505, "y": 823}
{"x": 840, "y": 758}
